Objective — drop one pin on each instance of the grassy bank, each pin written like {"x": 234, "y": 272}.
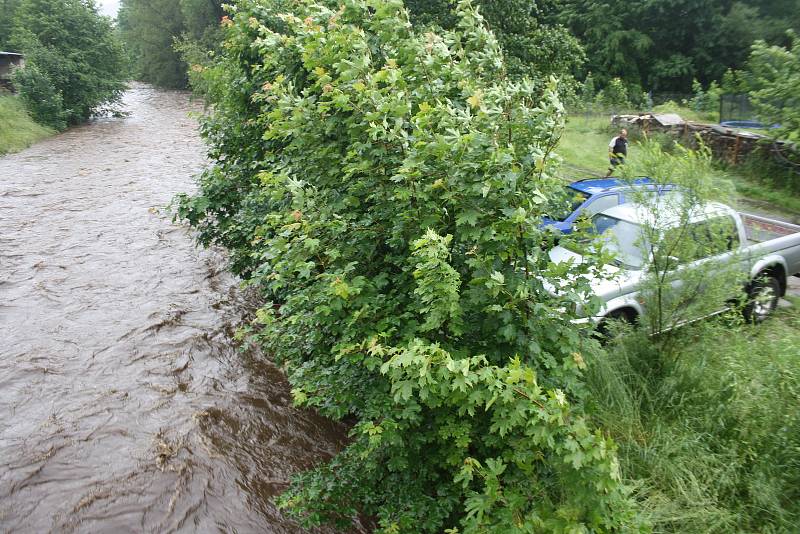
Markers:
{"x": 17, "y": 129}
{"x": 584, "y": 148}
{"x": 709, "y": 435}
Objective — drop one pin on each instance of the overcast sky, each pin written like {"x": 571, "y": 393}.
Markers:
{"x": 108, "y": 7}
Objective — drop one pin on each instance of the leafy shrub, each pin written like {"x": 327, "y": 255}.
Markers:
{"x": 773, "y": 78}
{"x": 670, "y": 239}
{"x": 614, "y": 96}
{"x": 706, "y": 101}
{"x": 72, "y": 56}
{"x": 383, "y": 188}
{"x": 588, "y": 91}
{"x": 41, "y": 99}
{"x": 531, "y": 47}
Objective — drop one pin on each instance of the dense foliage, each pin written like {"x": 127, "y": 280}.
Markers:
{"x": 773, "y": 79}
{"x": 383, "y": 187}
{"x": 7, "y": 10}
{"x": 654, "y": 45}
{"x": 73, "y": 62}
{"x": 152, "y": 28}
{"x": 663, "y": 45}
{"x": 531, "y": 47}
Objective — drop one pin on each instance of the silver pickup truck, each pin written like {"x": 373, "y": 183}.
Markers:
{"x": 763, "y": 250}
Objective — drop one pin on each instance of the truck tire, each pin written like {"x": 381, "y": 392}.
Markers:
{"x": 624, "y": 315}
{"x": 762, "y": 298}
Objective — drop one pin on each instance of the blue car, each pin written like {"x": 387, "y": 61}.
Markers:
{"x": 593, "y": 195}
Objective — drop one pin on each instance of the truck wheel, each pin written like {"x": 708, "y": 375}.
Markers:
{"x": 604, "y": 330}
{"x": 762, "y": 298}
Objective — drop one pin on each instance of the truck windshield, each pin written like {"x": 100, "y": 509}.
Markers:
{"x": 624, "y": 240}
{"x": 567, "y": 203}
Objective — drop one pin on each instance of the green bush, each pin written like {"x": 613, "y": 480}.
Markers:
{"x": 383, "y": 189}
{"x": 614, "y": 96}
{"x": 531, "y": 47}
{"x": 73, "y": 63}
{"x": 42, "y": 100}
{"x": 706, "y": 101}
{"x": 772, "y": 75}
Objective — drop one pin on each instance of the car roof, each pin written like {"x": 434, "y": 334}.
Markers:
{"x": 593, "y": 186}
{"x": 667, "y": 212}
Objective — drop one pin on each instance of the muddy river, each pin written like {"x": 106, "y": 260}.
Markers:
{"x": 125, "y": 405}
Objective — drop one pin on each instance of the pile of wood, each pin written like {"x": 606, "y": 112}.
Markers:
{"x": 728, "y": 144}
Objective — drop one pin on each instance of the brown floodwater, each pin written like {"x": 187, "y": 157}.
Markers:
{"x": 125, "y": 404}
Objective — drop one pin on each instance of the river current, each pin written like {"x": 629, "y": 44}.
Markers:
{"x": 125, "y": 404}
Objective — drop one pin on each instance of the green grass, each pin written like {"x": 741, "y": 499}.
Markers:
{"x": 709, "y": 434}
{"x": 584, "y": 146}
{"x": 17, "y": 129}
{"x": 773, "y": 196}
{"x": 584, "y": 149}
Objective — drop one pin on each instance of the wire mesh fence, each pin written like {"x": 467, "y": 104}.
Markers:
{"x": 736, "y": 108}
{"x": 590, "y": 112}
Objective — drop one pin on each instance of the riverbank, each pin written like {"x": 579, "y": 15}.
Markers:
{"x": 17, "y": 129}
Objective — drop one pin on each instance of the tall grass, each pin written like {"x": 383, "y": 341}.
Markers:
{"x": 709, "y": 432}
{"x": 764, "y": 179}
{"x": 17, "y": 129}
{"x": 584, "y": 146}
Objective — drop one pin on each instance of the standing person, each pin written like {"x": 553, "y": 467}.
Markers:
{"x": 618, "y": 150}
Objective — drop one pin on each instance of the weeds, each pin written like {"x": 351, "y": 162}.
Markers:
{"x": 708, "y": 433}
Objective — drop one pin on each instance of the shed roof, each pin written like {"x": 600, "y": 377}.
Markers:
{"x": 668, "y": 119}
{"x": 9, "y": 54}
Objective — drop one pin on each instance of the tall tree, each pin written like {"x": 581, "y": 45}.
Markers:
{"x": 73, "y": 61}
{"x": 151, "y": 28}
{"x": 8, "y": 9}
{"x": 664, "y": 44}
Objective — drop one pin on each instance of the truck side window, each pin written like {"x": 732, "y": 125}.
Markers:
{"x": 719, "y": 235}
{"x": 702, "y": 239}
{"x": 601, "y": 204}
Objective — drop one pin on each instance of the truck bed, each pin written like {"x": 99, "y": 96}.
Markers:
{"x": 769, "y": 236}
{"x": 759, "y": 229}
